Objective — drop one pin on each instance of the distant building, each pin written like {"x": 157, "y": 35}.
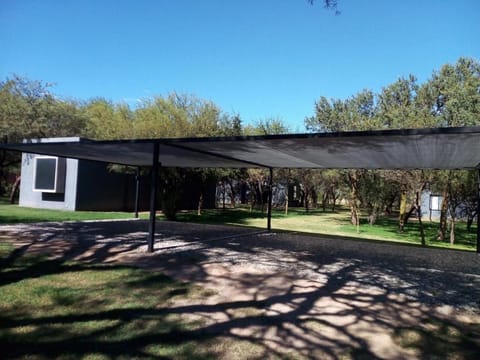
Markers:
{"x": 431, "y": 205}
{"x": 67, "y": 184}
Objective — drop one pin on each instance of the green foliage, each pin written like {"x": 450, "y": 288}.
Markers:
{"x": 455, "y": 90}
{"x": 267, "y": 126}
{"x": 173, "y": 116}
{"x": 355, "y": 113}
{"x": 451, "y": 97}
{"x": 107, "y": 121}
{"x": 29, "y": 110}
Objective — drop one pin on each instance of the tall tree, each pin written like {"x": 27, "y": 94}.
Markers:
{"x": 29, "y": 110}
{"x": 358, "y": 112}
{"x": 107, "y": 121}
{"x": 454, "y": 93}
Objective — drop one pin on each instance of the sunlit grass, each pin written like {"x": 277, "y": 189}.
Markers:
{"x": 336, "y": 223}
{"x": 11, "y": 214}
{"x": 314, "y": 221}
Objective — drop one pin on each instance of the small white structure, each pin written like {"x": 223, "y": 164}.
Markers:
{"x": 51, "y": 182}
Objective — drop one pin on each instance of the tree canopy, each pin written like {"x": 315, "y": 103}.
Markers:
{"x": 450, "y": 97}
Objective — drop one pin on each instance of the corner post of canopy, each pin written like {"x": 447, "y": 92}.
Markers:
{"x": 137, "y": 191}
{"x": 270, "y": 196}
{"x": 478, "y": 211}
{"x": 153, "y": 194}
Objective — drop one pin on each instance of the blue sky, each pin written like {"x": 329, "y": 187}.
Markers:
{"x": 258, "y": 58}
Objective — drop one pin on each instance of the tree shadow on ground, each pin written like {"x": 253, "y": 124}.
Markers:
{"x": 359, "y": 300}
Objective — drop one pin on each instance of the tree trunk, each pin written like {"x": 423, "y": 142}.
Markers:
{"x": 287, "y": 188}
{"x": 314, "y": 197}
{"x": 403, "y": 209}
{"x": 389, "y": 206}
{"x": 233, "y": 193}
{"x": 442, "y": 230}
{"x": 355, "y": 218}
{"x": 200, "y": 204}
{"x": 260, "y": 196}
{"x": 419, "y": 214}
{"x": 324, "y": 201}
{"x": 224, "y": 195}
{"x": 452, "y": 231}
{"x": 306, "y": 201}
{"x": 470, "y": 222}
{"x": 334, "y": 199}
{"x": 15, "y": 189}
{"x": 286, "y": 200}
{"x": 373, "y": 215}
{"x": 252, "y": 196}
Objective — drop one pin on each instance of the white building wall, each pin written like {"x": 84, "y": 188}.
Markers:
{"x": 37, "y": 199}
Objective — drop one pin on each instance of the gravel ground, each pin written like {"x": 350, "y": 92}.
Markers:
{"x": 303, "y": 278}
{"x": 432, "y": 276}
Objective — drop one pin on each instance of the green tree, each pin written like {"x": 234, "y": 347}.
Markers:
{"x": 451, "y": 97}
{"x": 180, "y": 115}
{"x": 267, "y": 126}
{"x": 454, "y": 93}
{"x": 355, "y": 113}
{"x": 29, "y": 110}
{"x": 397, "y": 105}
{"x": 358, "y": 112}
{"x": 258, "y": 179}
{"x": 107, "y": 121}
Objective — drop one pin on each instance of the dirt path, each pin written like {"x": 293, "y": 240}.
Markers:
{"x": 315, "y": 297}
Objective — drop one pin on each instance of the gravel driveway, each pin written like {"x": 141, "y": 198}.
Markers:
{"x": 312, "y": 293}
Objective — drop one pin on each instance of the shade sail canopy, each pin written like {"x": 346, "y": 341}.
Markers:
{"x": 440, "y": 148}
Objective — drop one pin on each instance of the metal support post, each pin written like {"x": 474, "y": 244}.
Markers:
{"x": 137, "y": 191}
{"x": 270, "y": 195}
{"x": 153, "y": 196}
{"x": 478, "y": 211}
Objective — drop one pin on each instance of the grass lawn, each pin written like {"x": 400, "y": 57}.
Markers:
{"x": 66, "y": 310}
{"x": 315, "y": 221}
{"x": 10, "y": 214}
{"x": 335, "y": 223}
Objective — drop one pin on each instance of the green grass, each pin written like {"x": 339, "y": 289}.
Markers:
{"x": 335, "y": 223}
{"x": 315, "y": 221}
{"x": 53, "y": 309}
{"x": 10, "y": 214}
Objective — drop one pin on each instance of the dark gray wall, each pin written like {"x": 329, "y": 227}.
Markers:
{"x": 99, "y": 189}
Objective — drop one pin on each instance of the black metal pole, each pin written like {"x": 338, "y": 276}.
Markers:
{"x": 269, "y": 209}
{"x": 137, "y": 191}
{"x": 153, "y": 196}
{"x": 478, "y": 211}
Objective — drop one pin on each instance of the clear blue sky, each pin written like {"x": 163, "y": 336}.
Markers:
{"x": 259, "y": 58}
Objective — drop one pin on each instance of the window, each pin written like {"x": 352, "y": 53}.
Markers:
{"x": 435, "y": 202}
{"x": 49, "y": 174}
